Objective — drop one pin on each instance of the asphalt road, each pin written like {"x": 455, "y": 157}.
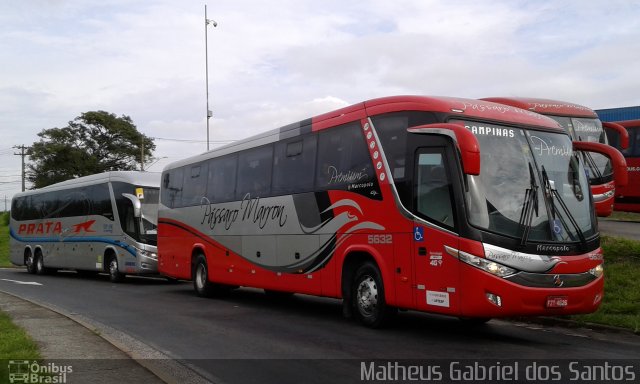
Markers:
{"x": 249, "y": 338}
{"x": 628, "y": 229}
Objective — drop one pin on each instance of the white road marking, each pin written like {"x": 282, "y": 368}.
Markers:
{"x": 22, "y": 282}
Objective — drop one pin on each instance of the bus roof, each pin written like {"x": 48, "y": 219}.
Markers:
{"x": 456, "y": 107}
{"x": 546, "y": 106}
{"x": 143, "y": 179}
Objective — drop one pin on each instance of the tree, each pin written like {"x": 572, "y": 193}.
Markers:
{"x": 94, "y": 142}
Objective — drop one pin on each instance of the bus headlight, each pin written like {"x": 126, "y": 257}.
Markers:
{"x": 150, "y": 255}
{"x": 486, "y": 265}
{"x": 597, "y": 271}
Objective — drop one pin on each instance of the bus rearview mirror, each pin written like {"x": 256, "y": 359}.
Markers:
{"x": 137, "y": 206}
{"x": 618, "y": 162}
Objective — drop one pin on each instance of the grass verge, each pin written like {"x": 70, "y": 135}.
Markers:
{"x": 4, "y": 240}
{"x": 15, "y": 344}
{"x": 624, "y": 216}
{"x": 621, "y": 304}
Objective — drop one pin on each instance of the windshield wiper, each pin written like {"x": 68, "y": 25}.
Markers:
{"x": 530, "y": 205}
{"x": 593, "y": 166}
{"x": 554, "y": 196}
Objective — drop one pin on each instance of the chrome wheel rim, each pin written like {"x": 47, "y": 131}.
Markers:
{"x": 367, "y": 296}
{"x": 113, "y": 267}
{"x": 29, "y": 261}
{"x": 201, "y": 276}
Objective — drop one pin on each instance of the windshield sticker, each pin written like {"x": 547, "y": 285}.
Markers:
{"x": 586, "y": 126}
{"x": 542, "y": 148}
{"x": 491, "y": 131}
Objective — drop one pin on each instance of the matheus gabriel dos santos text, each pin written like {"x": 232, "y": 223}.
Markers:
{"x": 591, "y": 371}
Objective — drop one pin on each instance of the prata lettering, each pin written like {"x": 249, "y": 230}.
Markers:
{"x": 491, "y": 131}
{"x": 49, "y": 227}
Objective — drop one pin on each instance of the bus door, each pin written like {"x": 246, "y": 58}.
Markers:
{"x": 436, "y": 274}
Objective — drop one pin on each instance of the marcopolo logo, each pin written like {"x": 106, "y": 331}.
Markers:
{"x": 33, "y": 372}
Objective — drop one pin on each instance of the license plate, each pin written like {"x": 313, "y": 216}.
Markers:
{"x": 557, "y": 301}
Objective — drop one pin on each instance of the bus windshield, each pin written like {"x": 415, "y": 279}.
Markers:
{"x": 590, "y": 130}
{"x": 149, "y": 207}
{"x": 531, "y": 186}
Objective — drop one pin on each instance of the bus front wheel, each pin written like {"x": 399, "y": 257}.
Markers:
{"x": 115, "y": 276}
{"x": 368, "y": 297}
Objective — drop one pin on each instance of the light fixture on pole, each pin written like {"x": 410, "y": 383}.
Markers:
{"x": 206, "y": 60}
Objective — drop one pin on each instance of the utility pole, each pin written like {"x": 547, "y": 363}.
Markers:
{"x": 142, "y": 154}
{"x": 206, "y": 63}
{"x": 23, "y": 153}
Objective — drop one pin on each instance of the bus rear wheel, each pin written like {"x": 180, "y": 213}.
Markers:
{"x": 200, "y": 273}
{"x": 39, "y": 263}
{"x": 30, "y": 262}
{"x": 115, "y": 276}
{"x": 368, "y": 297}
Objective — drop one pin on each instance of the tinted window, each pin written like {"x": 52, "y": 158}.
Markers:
{"x": 433, "y": 187}
{"x": 73, "y": 202}
{"x": 195, "y": 184}
{"x": 222, "y": 179}
{"x": 343, "y": 158}
{"x": 254, "y": 172}
{"x": 172, "y": 187}
{"x": 294, "y": 165}
{"x": 392, "y": 132}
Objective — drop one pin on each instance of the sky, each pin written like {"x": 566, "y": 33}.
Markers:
{"x": 272, "y": 63}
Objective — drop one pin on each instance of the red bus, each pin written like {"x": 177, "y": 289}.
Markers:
{"x": 582, "y": 124}
{"x": 628, "y": 198}
{"x": 453, "y": 206}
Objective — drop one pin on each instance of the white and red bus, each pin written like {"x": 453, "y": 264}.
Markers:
{"x": 453, "y": 206}
{"x": 582, "y": 124}
{"x": 628, "y": 198}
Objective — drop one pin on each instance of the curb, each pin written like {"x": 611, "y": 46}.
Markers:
{"x": 165, "y": 367}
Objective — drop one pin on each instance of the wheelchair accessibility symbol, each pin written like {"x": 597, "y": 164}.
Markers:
{"x": 557, "y": 228}
{"x": 418, "y": 233}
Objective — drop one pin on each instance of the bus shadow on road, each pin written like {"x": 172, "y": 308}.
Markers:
{"x": 311, "y": 312}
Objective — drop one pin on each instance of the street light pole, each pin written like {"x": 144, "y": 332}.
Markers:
{"x": 206, "y": 61}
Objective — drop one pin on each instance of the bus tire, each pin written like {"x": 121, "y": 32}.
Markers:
{"x": 38, "y": 260}
{"x": 367, "y": 294}
{"x": 30, "y": 262}
{"x": 115, "y": 276}
{"x": 200, "y": 273}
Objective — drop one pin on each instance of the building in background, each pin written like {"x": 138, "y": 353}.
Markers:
{"x": 619, "y": 114}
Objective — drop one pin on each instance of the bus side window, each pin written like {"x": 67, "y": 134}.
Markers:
{"x": 254, "y": 172}
{"x": 172, "y": 193}
{"x": 195, "y": 185}
{"x": 294, "y": 165}
{"x": 343, "y": 158}
{"x": 433, "y": 187}
{"x": 222, "y": 179}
